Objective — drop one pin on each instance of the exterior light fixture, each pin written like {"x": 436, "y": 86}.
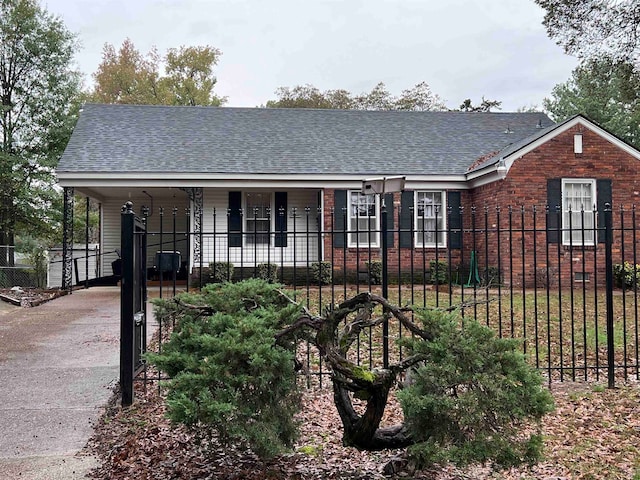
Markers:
{"x": 383, "y": 185}
{"x": 502, "y": 169}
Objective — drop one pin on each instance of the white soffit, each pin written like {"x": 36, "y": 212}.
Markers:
{"x": 244, "y": 181}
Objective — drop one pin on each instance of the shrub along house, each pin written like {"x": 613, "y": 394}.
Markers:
{"x": 284, "y": 186}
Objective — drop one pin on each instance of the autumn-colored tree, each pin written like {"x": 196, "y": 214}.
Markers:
{"x": 379, "y": 98}
{"x": 128, "y": 76}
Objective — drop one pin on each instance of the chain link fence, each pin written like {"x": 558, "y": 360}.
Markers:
{"x": 19, "y": 269}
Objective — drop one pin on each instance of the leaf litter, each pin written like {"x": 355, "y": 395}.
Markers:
{"x": 593, "y": 433}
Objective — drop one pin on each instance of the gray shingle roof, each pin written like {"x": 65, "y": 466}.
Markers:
{"x": 515, "y": 146}
{"x": 210, "y": 140}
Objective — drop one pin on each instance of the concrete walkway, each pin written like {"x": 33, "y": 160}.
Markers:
{"x": 58, "y": 365}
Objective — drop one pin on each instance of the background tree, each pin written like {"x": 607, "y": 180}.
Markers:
{"x": 419, "y": 97}
{"x": 37, "y": 89}
{"x": 189, "y": 78}
{"x": 379, "y": 98}
{"x": 607, "y": 91}
{"x": 590, "y": 28}
{"x": 308, "y": 96}
{"x": 485, "y": 106}
{"x": 128, "y": 76}
{"x": 80, "y": 221}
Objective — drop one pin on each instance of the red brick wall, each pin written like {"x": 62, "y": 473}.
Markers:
{"x": 526, "y": 186}
{"x": 515, "y": 207}
{"x": 399, "y": 259}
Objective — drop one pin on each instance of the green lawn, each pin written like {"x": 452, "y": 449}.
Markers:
{"x": 564, "y": 333}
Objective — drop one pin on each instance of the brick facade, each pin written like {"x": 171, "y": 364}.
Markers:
{"x": 509, "y": 217}
{"x": 526, "y": 186}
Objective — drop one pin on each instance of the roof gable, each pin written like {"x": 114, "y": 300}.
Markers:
{"x": 510, "y": 155}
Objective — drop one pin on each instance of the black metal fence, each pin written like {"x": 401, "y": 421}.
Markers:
{"x": 564, "y": 284}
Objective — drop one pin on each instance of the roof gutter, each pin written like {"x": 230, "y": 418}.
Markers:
{"x": 67, "y": 179}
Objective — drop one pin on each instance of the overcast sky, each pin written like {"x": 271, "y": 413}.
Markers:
{"x": 461, "y": 48}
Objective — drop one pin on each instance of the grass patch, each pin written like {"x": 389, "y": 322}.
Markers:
{"x": 562, "y": 332}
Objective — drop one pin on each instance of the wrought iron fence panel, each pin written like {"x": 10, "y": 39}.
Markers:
{"x": 528, "y": 272}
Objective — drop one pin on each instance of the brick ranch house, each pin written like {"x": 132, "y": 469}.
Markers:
{"x": 232, "y": 167}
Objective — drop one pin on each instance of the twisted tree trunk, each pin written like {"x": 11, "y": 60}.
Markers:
{"x": 335, "y": 334}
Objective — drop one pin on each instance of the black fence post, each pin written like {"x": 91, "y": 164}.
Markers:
{"x": 608, "y": 231}
{"x": 126, "y": 304}
{"x": 385, "y": 285}
{"x": 86, "y": 244}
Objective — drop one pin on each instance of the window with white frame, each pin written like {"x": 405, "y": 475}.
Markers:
{"x": 430, "y": 219}
{"x": 257, "y": 217}
{"x": 578, "y": 216}
{"x": 363, "y": 220}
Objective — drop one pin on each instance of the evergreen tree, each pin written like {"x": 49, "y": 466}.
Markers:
{"x": 605, "y": 90}
{"x": 232, "y": 358}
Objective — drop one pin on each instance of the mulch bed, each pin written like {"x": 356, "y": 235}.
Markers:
{"x": 594, "y": 433}
{"x": 29, "y": 297}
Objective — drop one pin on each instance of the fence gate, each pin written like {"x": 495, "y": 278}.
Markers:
{"x": 133, "y": 300}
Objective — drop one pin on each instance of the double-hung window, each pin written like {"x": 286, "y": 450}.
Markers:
{"x": 578, "y": 217}
{"x": 363, "y": 220}
{"x": 257, "y": 217}
{"x": 430, "y": 221}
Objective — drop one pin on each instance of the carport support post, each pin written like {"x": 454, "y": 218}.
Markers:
{"x": 126, "y": 304}
{"x": 608, "y": 255}
{"x": 67, "y": 239}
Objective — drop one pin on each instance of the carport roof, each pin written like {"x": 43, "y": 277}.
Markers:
{"x": 113, "y": 139}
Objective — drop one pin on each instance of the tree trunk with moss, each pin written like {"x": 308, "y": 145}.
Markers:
{"x": 335, "y": 335}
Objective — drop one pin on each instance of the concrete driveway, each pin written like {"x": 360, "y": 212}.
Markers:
{"x": 58, "y": 364}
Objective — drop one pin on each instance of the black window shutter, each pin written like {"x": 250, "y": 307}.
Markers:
{"x": 454, "y": 226}
{"x": 234, "y": 219}
{"x": 339, "y": 218}
{"x": 604, "y": 192}
{"x": 388, "y": 202}
{"x": 406, "y": 218}
{"x": 281, "y": 219}
{"x": 554, "y": 200}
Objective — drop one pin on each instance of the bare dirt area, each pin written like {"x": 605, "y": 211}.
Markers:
{"x": 29, "y": 297}
{"x": 594, "y": 433}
